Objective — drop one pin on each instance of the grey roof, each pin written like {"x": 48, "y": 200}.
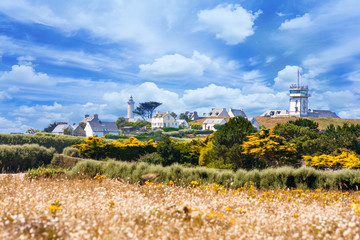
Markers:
{"x": 237, "y": 112}
{"x": 214, "y": 121}
{"x": 160, "y": 115}
{"x": 99, "y": 126}
{"x": 221, "y": 112}
{"x": 323, "y": 113}
{"x": 60, "y": 128}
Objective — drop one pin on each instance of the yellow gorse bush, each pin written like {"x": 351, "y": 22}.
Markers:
{"x": 54, "y": 207}
{"x": 127, "y": 150}
{"x": 346, "y": 159}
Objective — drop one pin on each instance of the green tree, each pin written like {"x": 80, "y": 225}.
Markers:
{"x": 32, "y": 131}
{"x": 82, "y": 125}
{"x": 228, "y": 140}
{"x": 173, "y": 114}
{"x": 121, "y": 122}
{"x": 217, "y": 126}
{"x": 146, "y": 109}
{"x": 51, "y": 127}
{"x": 185, "y": 117}
{"x": 168, "y": 151}
{"x": 68, "y": 130}
{"x": 303, "y": 122}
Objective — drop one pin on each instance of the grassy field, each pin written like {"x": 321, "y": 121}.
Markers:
{"x": 112, "y": 209}
{"x": 323, "y": 122}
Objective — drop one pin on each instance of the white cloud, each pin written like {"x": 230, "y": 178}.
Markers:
{"x": 232, "y": 23}
{"x": 177, "y": 65}
{"x": 297, "y": 23}
{"x": 15, "y": 126}
{"x": 25, "y": 74}
{"x": 269, "y": 59}
{"x": 286, "y": 77}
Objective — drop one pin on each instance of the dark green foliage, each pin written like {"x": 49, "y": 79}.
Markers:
{"x": 23, "y": 157}
{"x": 51, "y": 127}
{"x": 43, "y": 139}
{"x": 152, "y": 158}
{"x": 204, "y": 132}
{"x": 303, "y": 122}
{"x": 196, "y": 126}
{"x": 65, "y": 161}
{"x": 170, "y": 129}
{"x": 168, "y": 151}
{"x": 68, "y": 130}
{"x": 217, "y": 126}
{"x": 346, "y": 136}
{"x": 82, "y": 125}
{"x": 228, "y": 140}
{"x": 272, "y": 178}
{"x": 146, "y": 109}
{"x": 121, "y": 122}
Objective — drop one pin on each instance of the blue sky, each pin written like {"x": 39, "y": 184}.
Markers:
{"x": 62, "y": 59}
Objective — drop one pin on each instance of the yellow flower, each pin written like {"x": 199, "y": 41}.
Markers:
{"x": 99, "y": 177}
{"x": 241, "y": 211}
{"x": 356, "y": 210}
{"x": 296, "y": 215}
{"x": 232, "y": 221}
{"x": 171, "y": 182}
{"x": 111, "y": 203}
{"x": 148, "y": 183}
{"x": 228, "y": 208}
{"x": 194, "y": 183}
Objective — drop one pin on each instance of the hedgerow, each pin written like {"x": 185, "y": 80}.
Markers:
{"x": 271, "y": 178}
{"x": 15, "y": 158}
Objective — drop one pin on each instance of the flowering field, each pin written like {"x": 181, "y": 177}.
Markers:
{"x": 103, "y": 208}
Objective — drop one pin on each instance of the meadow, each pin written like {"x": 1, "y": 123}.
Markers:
{"x": 102, "y": 208}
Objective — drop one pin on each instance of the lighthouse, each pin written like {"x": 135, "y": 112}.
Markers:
{"x": 131, "y": 104}
{"x": 299, "y": 99}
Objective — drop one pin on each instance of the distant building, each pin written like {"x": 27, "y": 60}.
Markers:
{"x": 299, "y": 104}
{"x": 236, "y": 112}
{"x": 209, "y": 123}
{"x": 221, "y": 112}
{"x": 322, "y": 114}
{"x": 77, "y": 130}
{"x": 191, "y": 115}
{"x": 276, "y": 113}
{"x": 161, "y": 120}
{"x": 130, "y": 114}
{"x": 99, "y": 128}
{"x": 182, "y": 123}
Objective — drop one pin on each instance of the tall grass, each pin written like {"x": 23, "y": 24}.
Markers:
{"x": 272, "y": 178}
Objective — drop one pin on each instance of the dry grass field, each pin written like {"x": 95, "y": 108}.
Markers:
{"x": 112, "y": 209}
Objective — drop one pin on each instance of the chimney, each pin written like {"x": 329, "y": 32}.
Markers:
{"x": 86, "y": 115}
{"x": 96, "y": 117}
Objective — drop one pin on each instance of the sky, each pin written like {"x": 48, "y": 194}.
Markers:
{"x": 60, "y": 60}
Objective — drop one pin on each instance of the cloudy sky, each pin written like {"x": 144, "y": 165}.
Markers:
{"x": 62, "y": 59}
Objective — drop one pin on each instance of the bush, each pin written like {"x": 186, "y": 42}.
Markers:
{"x": 196, "y": 126}
{"x": 23, "y": 157}
{"x": 272, "y": 178}
{"x": 47, "y": 140}
{"x": 64, "y": 161}
{"x": 71, "y": 152}
{"x": 46, "y": 172}
{"x": 152, "y": 158}
{"x": 170, "y": 129}
{"x": 205, "y": 132}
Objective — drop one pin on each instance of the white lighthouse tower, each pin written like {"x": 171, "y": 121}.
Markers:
{"x": 131, "y": 104}
{"x": 299, "y": 99}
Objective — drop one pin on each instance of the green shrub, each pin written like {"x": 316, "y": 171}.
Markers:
{"x": 14, "y": 158}
{"x": 46, "y": 172}
{"x": 152, "y": 158}
{"x": 170, "y": 129}
{"x": 71, "y": 152}
{"x": 64, "y": 161}
{"x": 272, "y": 178}
{"x": 47, "y": 140}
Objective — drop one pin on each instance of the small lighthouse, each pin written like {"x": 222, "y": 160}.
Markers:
{"x": 299, "y": 99}
{"x": 131, "y": 104}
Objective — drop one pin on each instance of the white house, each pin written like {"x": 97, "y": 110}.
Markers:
{"x": 182, "y": 123}
{"x": 100, "y": 128}
{"x": 209, "y": 123}
{"x": 275, "y": 113}
{"x": 161, "y": 120}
